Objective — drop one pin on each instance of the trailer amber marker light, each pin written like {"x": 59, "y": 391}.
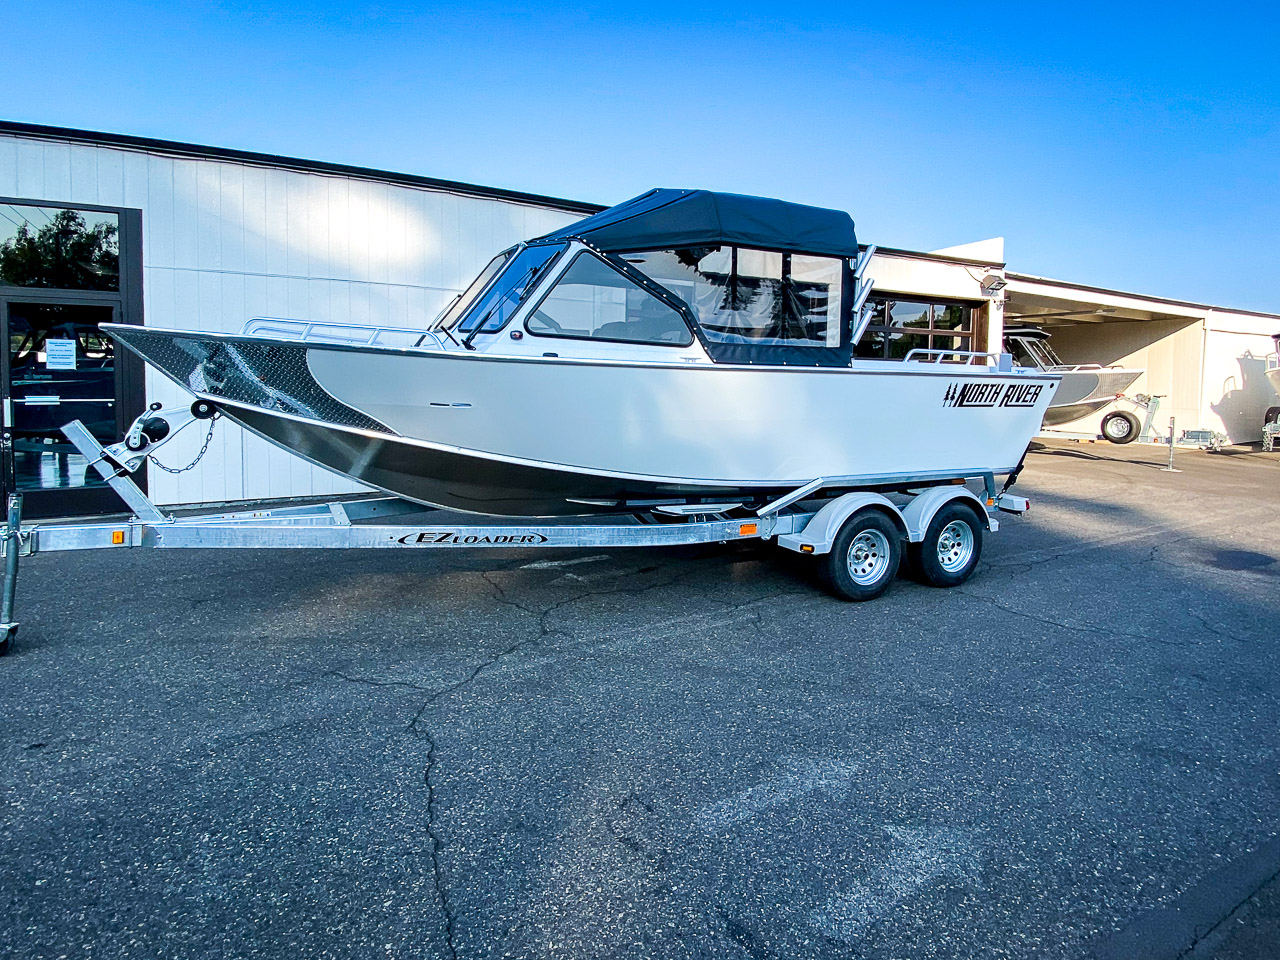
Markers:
{"x": 747, "y": 530}
{"x": 117, "y": 536}
{"x": 806, "y": 548}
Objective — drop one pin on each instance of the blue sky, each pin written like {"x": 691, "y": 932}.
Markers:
{"x": 1122, "y": 145}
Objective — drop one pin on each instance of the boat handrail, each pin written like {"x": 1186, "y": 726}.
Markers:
{"x": 935, "y": 355}
{"x": 1077, "y": 367}
{"x": 347, "y": 334}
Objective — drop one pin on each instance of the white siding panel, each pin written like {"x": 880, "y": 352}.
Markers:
{"x": 158, "y": 285}
{"x": 253, "y": 212}
{"x": 186, "y": 207}
{"x": 134, "y": 185}
{"x": 83, "y": 170}
{"x": 57, "y": 174}
{"x": 209, "y": 216}
{"x": 276, "y": 221}
{"x": 316, "y": 239}
{"x": 451, "y": 259}
{"x": 231, "y": 217}
{"x": 300, "y": 208}
{"x": 30, "y": 171}
{"x": 157, "y": 216}
{"x": 8, "y": 167}
{"x": 109, "y": 177}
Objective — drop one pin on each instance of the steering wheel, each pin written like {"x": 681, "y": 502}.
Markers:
{"x": 546, "y": 321}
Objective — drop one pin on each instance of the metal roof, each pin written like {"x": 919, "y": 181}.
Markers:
{"x": 197, "y": 151}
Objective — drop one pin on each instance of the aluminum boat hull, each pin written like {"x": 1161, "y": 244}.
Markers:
{"x": 547, "y": 437}
{"x": 1083, "y": 392}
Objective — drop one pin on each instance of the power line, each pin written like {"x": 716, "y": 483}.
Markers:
{"x": 24, "y": 219}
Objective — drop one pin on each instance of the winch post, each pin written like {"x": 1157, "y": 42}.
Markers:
{"x": 12, "y": 547}
{"x": 116, "y": 479}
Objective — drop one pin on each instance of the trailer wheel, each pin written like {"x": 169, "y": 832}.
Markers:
{"x": 951, "y": 547}
{"x": 1120, "y": 426}
{"x": 1271, "y": 416}
{"x": 864, "y": 557}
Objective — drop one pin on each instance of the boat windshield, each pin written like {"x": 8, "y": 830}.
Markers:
{"x": 1032, "y": 353}
{"x": 449, "y": 316}
{"x": 492, "y": 311}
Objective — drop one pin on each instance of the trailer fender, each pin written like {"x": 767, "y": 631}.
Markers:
{"x": 820, "y": 532}
{"x": 921, "y": 510}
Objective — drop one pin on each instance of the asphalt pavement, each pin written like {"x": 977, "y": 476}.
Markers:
{"x": 664, "y": 753}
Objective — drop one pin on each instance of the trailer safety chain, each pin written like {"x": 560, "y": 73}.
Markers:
{"x": 199, "y": 456}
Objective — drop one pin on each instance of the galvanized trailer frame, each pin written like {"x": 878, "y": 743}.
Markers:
{"x": 808, "y": 520}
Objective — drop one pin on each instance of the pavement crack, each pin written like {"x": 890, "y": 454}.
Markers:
{"x": 1065, "y": 624}
{"x": 418, "y": 729}
{"x": 1215, "y": 630}
{"x": 1189, "y": 950}
{"x": 437, "y": 846}
{"x": 375, "y": 681}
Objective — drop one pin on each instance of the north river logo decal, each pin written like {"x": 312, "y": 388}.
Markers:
{"x": 447, "y": 538}
{"x": 992, "y": 394}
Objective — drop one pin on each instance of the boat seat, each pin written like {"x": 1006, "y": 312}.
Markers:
{"x": 643, "y": 330}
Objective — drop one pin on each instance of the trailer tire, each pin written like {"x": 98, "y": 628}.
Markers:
{"x": 951, "y": 548}
{"x": 1120, "y": 426}
{"x": 1271, "y": 416}
{"x": 864, "y": 557}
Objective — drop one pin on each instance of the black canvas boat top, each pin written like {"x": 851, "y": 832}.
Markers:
{"x": 664, "y": 219}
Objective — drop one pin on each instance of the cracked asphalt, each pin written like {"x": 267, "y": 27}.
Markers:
{"x": 662, "y": 753}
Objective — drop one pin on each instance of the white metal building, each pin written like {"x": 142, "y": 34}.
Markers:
{"x": 207, "y": 238}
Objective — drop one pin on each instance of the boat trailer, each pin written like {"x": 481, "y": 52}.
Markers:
{"x": 857, "y": 534}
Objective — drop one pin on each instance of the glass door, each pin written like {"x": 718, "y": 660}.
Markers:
{"x": 58, "y": 367}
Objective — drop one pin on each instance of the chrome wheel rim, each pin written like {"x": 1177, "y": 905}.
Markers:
{"x": 1117, "y": 427}
{"x": 868, "y": 557}
{"x": 955, "y": 546}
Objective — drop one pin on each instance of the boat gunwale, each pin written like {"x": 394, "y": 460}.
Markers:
{"x": 932, "y": 369}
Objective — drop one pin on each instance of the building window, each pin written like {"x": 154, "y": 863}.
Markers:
{"x": 59, "y": 247}
{"x": 900, "y": 326}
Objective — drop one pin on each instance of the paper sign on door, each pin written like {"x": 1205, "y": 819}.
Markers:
{"x": 60, "y": 354}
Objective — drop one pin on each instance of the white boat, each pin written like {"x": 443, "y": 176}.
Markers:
{"x": 1085, "y": 388}
{"x": 684, "y": 346}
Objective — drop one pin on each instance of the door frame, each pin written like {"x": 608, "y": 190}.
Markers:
{"x": 130, "y": 372}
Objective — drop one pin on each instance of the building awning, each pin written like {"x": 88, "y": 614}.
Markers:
{"x": 1045, "y": 302}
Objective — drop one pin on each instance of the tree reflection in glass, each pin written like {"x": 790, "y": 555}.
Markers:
{"x": 71, "y": 250}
